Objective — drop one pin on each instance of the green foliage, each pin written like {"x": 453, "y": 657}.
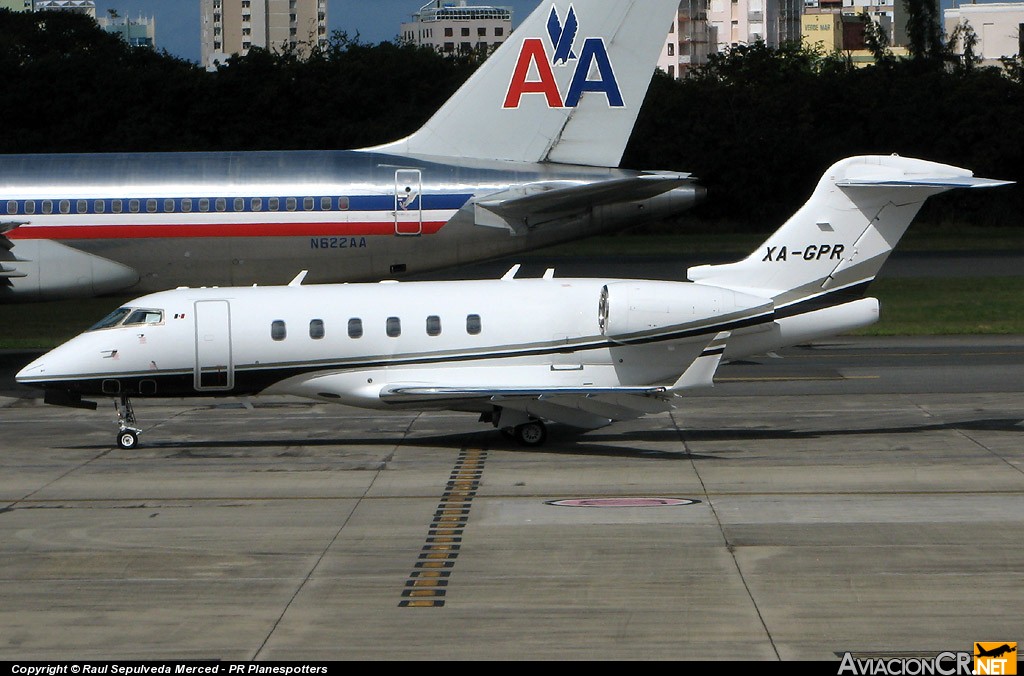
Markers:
{"x": 760, "y": 125}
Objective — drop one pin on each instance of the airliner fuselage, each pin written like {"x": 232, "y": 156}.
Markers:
{"x": 91, "y": 224}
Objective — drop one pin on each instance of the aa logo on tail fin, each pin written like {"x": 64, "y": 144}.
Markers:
{"x": 534, "y": 56}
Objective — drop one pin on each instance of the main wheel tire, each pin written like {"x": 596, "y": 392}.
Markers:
{"x": 127, "y": 439}
{"x": 532, "y": 433}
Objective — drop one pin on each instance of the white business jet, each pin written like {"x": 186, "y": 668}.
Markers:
{"x": 518, "y": 352}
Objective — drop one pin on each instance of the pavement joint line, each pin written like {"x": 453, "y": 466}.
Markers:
{"x": 725, "y": 538}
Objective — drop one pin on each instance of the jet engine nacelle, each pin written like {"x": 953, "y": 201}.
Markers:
{"x": 631, "y": 308}
{"x": 42, "y": 269}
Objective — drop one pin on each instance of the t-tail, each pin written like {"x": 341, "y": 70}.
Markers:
{"x": 566, "y": 87}
{"x": 816, "y": 268}
{"x": 836, "y": 243}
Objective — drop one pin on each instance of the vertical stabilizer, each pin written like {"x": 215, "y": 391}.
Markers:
{"x": 842, "y": 235}
{"x": 565, "y": 87}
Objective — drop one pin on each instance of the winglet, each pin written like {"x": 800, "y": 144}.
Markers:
{"x": 702, "y": 371}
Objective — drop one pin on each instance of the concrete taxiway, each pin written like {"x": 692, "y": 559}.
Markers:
{"x": 858, "y": 495}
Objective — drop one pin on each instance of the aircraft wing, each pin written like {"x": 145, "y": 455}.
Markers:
{"x": 6, "y": 272}
{"x": 6, "y": 227}
{"x": 523, "y": 208}
{"x": 582, "y": 407}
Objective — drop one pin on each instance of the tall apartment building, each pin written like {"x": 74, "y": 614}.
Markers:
{"x": 236, "y": 26}
{"x": 458, "y": 27}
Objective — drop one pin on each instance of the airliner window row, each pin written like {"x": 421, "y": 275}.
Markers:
{"x": 392, "y": 327}
{"x": 177, "y": 205}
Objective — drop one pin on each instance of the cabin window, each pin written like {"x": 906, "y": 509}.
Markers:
{"x": 278, "y": 330}
{"x": 65, "y": 207}
{"x": 290, "y": 204}
{"x": 433, "y": 325}
{"x": 115, "y": 206}
{"x": 325, "y": 204}
{"x": 204, "y": 204}
{"x": 133, "y": 206}
{"x": 221, "y": 204}
{"x": 169, "y": 206}
{"x": 47, "y": 207}
{"x": 316, "y": 329}
{"x": 145, "y": 317}
{"x": 30, "y": 207}
{"x": 394, "y": 327}
{"x": 186, "y": 205}
{"x": 12, "y": 206}
{"x": 82, "y": 206}
{"x": 257, "y": 203}
{"x": 99, "y": 206}
{"x": 342, "y": 204}
{"x": 473, "y": 324}
{"x": 151, "y": 206}
{"x": 307, "y": 203}
{"x": 355, "y": 328}
{"x": 274, "y": 203}
{"x": 239, "y": 204}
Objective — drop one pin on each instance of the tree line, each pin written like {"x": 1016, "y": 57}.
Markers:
{"x": 757, "y": 125}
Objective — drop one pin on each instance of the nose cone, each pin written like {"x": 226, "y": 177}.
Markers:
{"x": 34, "y": 373}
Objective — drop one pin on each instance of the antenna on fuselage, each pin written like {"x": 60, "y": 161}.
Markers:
{"x": 298, "y": 278}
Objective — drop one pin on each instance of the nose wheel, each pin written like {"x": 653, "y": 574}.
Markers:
{"x": 128, "y": 434}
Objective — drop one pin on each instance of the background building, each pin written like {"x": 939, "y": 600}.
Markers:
{"x": 999, "y": 27}
{"x": 449, "y": 27}
{"x": 235, "y": 26}
{"x": 138, "y": 32}
{"x": 78, "y": 6}
{"x": 16, "y": 5}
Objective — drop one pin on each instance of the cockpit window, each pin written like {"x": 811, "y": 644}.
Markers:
{"x": 113, "y": 319}
{"x": 145, "y": 317}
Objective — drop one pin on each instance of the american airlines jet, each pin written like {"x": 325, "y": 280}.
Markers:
{"x": 517, "y": 352}
{"x": 524, "y": 155}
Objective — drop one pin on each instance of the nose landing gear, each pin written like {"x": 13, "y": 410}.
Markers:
{"x": 128, "y": 434}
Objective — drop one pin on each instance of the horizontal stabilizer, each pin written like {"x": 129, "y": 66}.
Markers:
{"x": 936, "y": 182}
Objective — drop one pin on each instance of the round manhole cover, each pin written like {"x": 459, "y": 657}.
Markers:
{"x": 623, "y": 502}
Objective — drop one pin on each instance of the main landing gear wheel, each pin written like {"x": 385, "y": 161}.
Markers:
{"x": 533, "y": 433}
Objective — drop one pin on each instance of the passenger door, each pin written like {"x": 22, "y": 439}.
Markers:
{"x": 214, "y": 369}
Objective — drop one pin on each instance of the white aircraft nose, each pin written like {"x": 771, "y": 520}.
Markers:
{"x": 33, "y": 371}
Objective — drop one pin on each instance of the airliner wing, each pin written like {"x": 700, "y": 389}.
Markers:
{"x": 7, "y": 273}
{"x": 521, "y": 209}
{"x": 6, "y": 227}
